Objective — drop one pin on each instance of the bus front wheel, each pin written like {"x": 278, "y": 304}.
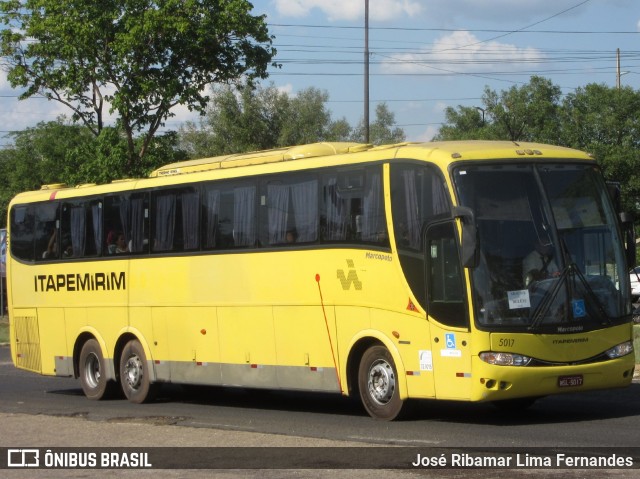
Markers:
{"x": 378, "y": 384}
{"x": 92, "y": 371}
{"x": 134, "y": 374}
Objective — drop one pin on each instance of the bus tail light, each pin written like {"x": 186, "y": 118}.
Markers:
{"x": 620, "y": 350}
{"x": 505, "y": 359}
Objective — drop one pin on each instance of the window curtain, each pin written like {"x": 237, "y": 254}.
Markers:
{"x": 412, "y": 209}
{"x": 190, "y": 220}
{"x": 212, "y": 211}
{"x": 137, "y": 225}
{"x": 125, "y": 216}
{"x": 78, "y": 231}
{"x": 278, "y": 206}
{"x": 336, "y": 212}
{"x": 305, "y": 208}
{"x": 438, "y": 196}
{"x": 373, "y": 209}
{"x": 244, "y": 232}
{"x": 96, "y": 216}
{"x": 165, "y": 223}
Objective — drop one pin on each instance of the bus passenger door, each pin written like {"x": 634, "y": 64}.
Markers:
{"x": 447, "y": 313}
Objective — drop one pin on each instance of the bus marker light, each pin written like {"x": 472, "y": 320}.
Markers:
{"x": 203, "y": 331}
{"x": 396, "y": 334}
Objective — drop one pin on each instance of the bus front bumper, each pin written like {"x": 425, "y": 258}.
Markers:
{"x": 494, "y": 383}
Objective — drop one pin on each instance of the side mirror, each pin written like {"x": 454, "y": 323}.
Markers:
{"x": 469, "y": 253}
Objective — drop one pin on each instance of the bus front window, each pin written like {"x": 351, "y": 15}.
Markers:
{"x": 550, "y": 256}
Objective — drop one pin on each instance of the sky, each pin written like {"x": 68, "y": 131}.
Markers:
{"x": 424, "y": 55}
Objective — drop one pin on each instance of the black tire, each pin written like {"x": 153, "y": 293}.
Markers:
{"x": 378, "y": 384}
{"x": 92, "y": 371}
{"x": 134, "y": 374}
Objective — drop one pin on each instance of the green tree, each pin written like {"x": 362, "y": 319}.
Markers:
{"x": 382, "y": 130}
{"x": 39, "y": 155}
{"x": 529, "y": 112}
{"x": 605, "y": 121}
{"x": 261, "y": 118}
{"x": 135, "y": 58}
{"x": 60, "y": 152}
{"x": 466, "y": 123}
{"x": 526, "y": 113}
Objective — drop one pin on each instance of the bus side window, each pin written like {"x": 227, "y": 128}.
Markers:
{"x": 176, "y": 220}
{"x": 81, "y": 226}
{"x": 22, "y": 232}
{"x": 47, "y": 241}
{"x": 126, "y": 224}
{"x": 291, "y": 214}
{"x": 352, "y": 208}
{"x": 445, "y": 291}
{"x": 229, "y": 215}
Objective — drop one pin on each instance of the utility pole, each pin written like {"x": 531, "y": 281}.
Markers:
{"x": 366, "y": 71}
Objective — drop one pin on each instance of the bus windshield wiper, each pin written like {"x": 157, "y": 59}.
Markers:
{"x": 571, "y": 270}
{"x": 545, "y": 304}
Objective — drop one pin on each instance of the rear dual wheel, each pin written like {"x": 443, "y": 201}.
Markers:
{"x": 92, "y": 369}
{"x": 135, "y": 375}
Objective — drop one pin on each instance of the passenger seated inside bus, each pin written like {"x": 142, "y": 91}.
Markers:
{"x": 121, "y": 244}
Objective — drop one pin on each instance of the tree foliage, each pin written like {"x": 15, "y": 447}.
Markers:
{"x": 136, "y": 59}
{"x": 382, "y": 130}
{"x": 61, "y": 152}
{"x": 250, "y": 119}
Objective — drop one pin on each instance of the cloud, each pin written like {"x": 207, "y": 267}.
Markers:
{"x": 462, "y": 52}
{"x": 427, "y": 135}
{"x": 335, "y": 10}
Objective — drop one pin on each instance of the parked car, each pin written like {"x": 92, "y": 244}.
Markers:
{"x": 634, "y": 275}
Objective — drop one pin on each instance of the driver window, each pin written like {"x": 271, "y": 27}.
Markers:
{"x": 445, "y": 291}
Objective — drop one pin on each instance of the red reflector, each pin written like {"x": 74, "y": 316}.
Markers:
{"x": 409, "y": 373}
{"x": 313, "y": 368}
{"x": 459, "y": 375}
{"x": 254, "y": 366}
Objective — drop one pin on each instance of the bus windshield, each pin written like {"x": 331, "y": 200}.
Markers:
{"x": 550, "y": 255}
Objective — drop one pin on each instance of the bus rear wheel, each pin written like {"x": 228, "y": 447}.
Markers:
{"x": 378, "y": 384}
{"x": 134, "y": 374}
{"x": 92, "y": 371}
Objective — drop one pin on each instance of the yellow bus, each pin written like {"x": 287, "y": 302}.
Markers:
{"x": 471, "y": 271}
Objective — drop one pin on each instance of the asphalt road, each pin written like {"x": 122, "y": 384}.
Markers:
{"x": 38, "y": 411}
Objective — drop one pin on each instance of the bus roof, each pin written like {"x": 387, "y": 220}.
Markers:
{"x": 259, "y": 157}
{"x": 318, "y": 154}
{"x": 472, "y": 149}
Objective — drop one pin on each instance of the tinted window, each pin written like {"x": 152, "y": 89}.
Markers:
{"x": 81, "y": 228}
{"x": 352, "y": 207}
{"x": 290, "y": 210}
{"x": 176, "y": 220}
{"x": 22, "y": 229}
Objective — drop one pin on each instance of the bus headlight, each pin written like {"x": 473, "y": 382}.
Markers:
{"x": 505, "y": 359}
{"x": 620, "y": 350}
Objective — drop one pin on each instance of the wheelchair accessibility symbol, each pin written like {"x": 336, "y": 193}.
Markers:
{"x": 579, "y": 309}
{"x": 450, "y": 340}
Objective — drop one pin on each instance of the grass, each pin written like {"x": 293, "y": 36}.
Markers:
{"x": 4, "y": 329}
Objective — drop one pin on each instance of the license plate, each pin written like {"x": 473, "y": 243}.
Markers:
{"x": 570, "y": 381}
